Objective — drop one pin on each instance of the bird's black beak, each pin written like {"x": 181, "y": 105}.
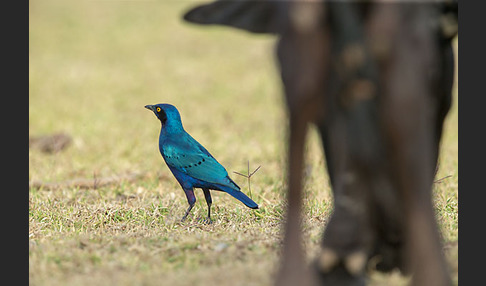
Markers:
{"x": 150, "y": 107}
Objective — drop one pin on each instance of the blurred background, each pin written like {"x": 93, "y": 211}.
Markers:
{"x": 93, "y": 65}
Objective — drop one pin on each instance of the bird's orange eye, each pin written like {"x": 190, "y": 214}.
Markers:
{"x": 158, "y": 109}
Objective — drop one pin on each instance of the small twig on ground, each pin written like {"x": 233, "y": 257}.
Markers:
{"x": 435, "y": 174}
{"x": 248, "y": 176}
{"x": 441, "y": 179}
{"x": 95, "y": 181}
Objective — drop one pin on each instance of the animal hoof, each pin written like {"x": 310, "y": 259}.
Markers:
{"x": 336, "y": 270}
{"x": 355, "y": 262}
{"x": 387, "y": 257}
{"x": 327, "y": 260}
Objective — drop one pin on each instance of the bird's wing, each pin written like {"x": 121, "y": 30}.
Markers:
{"x": 195, "y": 163}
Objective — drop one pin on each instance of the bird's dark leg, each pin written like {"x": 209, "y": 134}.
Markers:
{"x": 191, "y": 199}
{"x": 209, "y": 201}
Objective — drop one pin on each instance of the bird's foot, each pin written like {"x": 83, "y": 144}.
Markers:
{"x": 183, "y": 219}
{"x": 206, "y": 220}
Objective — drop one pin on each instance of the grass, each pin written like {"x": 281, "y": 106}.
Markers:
{"x": 93, "y": 65}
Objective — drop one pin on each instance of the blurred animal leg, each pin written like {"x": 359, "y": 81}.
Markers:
{"x": 413, "y": 146}
{"x": 303, "y": 58}
{"x": 292, "y": 270}
{"x": 413, "y": 150}
{"x": 348, "y": 236}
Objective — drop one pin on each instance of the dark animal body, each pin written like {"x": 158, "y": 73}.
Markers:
{"x": 190, "y": 163}
{"x": 376, "y": 79}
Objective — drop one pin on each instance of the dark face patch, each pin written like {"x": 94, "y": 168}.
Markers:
{"x": 161, "y": 114}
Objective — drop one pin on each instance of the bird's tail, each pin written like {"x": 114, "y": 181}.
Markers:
{"x": 243, "y": 198}
{"x": 237, "y": 194}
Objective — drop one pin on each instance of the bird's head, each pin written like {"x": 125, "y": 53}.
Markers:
{"x": 168, "y": 115}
